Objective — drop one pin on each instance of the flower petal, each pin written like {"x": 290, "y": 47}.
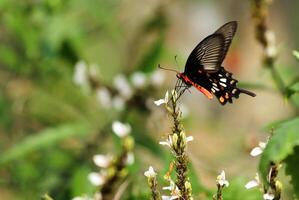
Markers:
{"x": 102, "y": 160}
{"x": 121, "y": 129}
{"x": 251, "y": 184}
{"x": 150, "y": 173}
{"x": 96, "y": 178}
{"x": 159, "y": 102}
{"x": 256, "y": 151}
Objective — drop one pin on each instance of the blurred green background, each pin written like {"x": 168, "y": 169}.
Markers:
{"x": 60, "y": 67}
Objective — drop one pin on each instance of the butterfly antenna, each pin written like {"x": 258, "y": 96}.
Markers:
{"x": 167, "y": 69}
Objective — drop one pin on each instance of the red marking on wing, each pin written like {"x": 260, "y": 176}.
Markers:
{"x": 198, "y": 87}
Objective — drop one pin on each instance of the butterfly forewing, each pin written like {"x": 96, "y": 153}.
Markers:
{"x": 228, "y": 31}
{"x": 207, "y": 54}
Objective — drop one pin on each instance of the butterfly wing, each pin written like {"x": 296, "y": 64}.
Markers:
{"x": 206, "y": 55}
{"x": 228, "y": 31}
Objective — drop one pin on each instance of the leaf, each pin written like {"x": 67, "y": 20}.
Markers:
{"x": 237, "y": 191}
{"x": 43, "y": 139}
{"x": 281, "y": 145}
{"x": 292, "y": 170}
{"x": 296, "y": 54}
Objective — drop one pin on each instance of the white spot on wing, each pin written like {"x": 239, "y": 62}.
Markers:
{"x": 222, "y": 84}
{"x": 223, "y": 80}
{"x": 213, "y": 90}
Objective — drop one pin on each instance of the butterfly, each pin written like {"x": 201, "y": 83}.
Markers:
{"x": 204, "y": 70}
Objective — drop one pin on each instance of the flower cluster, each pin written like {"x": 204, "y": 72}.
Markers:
{"x": 177, "y": 142}
{"x": 272, "y": 192}
{"x": 112, "y": 167}
{"x": 123, "y": 90}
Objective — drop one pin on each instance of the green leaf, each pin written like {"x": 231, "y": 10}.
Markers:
{"x": 281, "y": 145}
{"x": 296, "y": 54}
{"x": 292, "y": 170}
{"x": 44, "y": 139}
{"x": 237, "y": 190}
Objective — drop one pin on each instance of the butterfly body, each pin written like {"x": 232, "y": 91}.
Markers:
{"x": 204, "y": 70}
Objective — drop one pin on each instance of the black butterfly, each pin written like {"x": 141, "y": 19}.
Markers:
{"x": 203, "y": 68}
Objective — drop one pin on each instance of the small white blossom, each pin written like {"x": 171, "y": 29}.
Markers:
{"x": 258, "y": 150}
{"x": 163, "y": 101}
{"x": 80, "y": 74}
{"x": 96, "y": 178}
{"x": 157, "y": 78}
{"x": 103, "y": 97}
{"x": 121, "y": 129}
{"x": 130, "y": 158}
{"x": 268, "y": 196}
{"x": 189, "y": 139}
{"x": 168, "y": 142}
{"x": 150, "y": 173}
{"x": 122, "y": 85}
{"x": 170, "y": 197}
{"x": 102, "y": 160}
{"x": 221, "y": 180}
{"x": 253, "y": 183}
{"x": 138, "y": 80}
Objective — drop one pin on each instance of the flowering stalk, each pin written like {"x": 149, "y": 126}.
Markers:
{"x": 113, "y": 168}
{"x": 177, "y": 141}
{"x": 221, "y": 182}
{"x": 152, "y": 182}
{"x": 274, "y": 184}
{"x": 266, "y": 38}
{"x": 271, "y": 190}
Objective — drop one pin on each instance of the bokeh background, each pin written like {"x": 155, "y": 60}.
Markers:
{"x": 68, "y": 69}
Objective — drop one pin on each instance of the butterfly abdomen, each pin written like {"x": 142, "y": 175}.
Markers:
{"x": 224, "y": 87}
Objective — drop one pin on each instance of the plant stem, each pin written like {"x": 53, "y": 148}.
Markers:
{"x": 181, "y": 163}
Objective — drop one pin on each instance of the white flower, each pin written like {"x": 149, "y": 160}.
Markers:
{"x": 157, "y": 78}
{"x": 122, "y": 85}
{"x": 138, "y": 79}
{"x": 163, "y": 101}
{"x": 118, "y": 103}
{"x": 104, "y": 97}
{"x": 130, "y": 158}
{"x": 168, "y": 142}
{"x": 221, "y": 180}
{"x": 96, "y": 178}
{"x": 268, "y": 196}
{"x": 150, "y": 173}
{"x": 102, "y": 160}
{"x": 120, "y": 129}
{"x": 80, "y": 74}
{"x": 169, "y": 197}
{"x": 253, "y": 183}
{"x": 258, "y": 150}
{"x": 189, "y": 139}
